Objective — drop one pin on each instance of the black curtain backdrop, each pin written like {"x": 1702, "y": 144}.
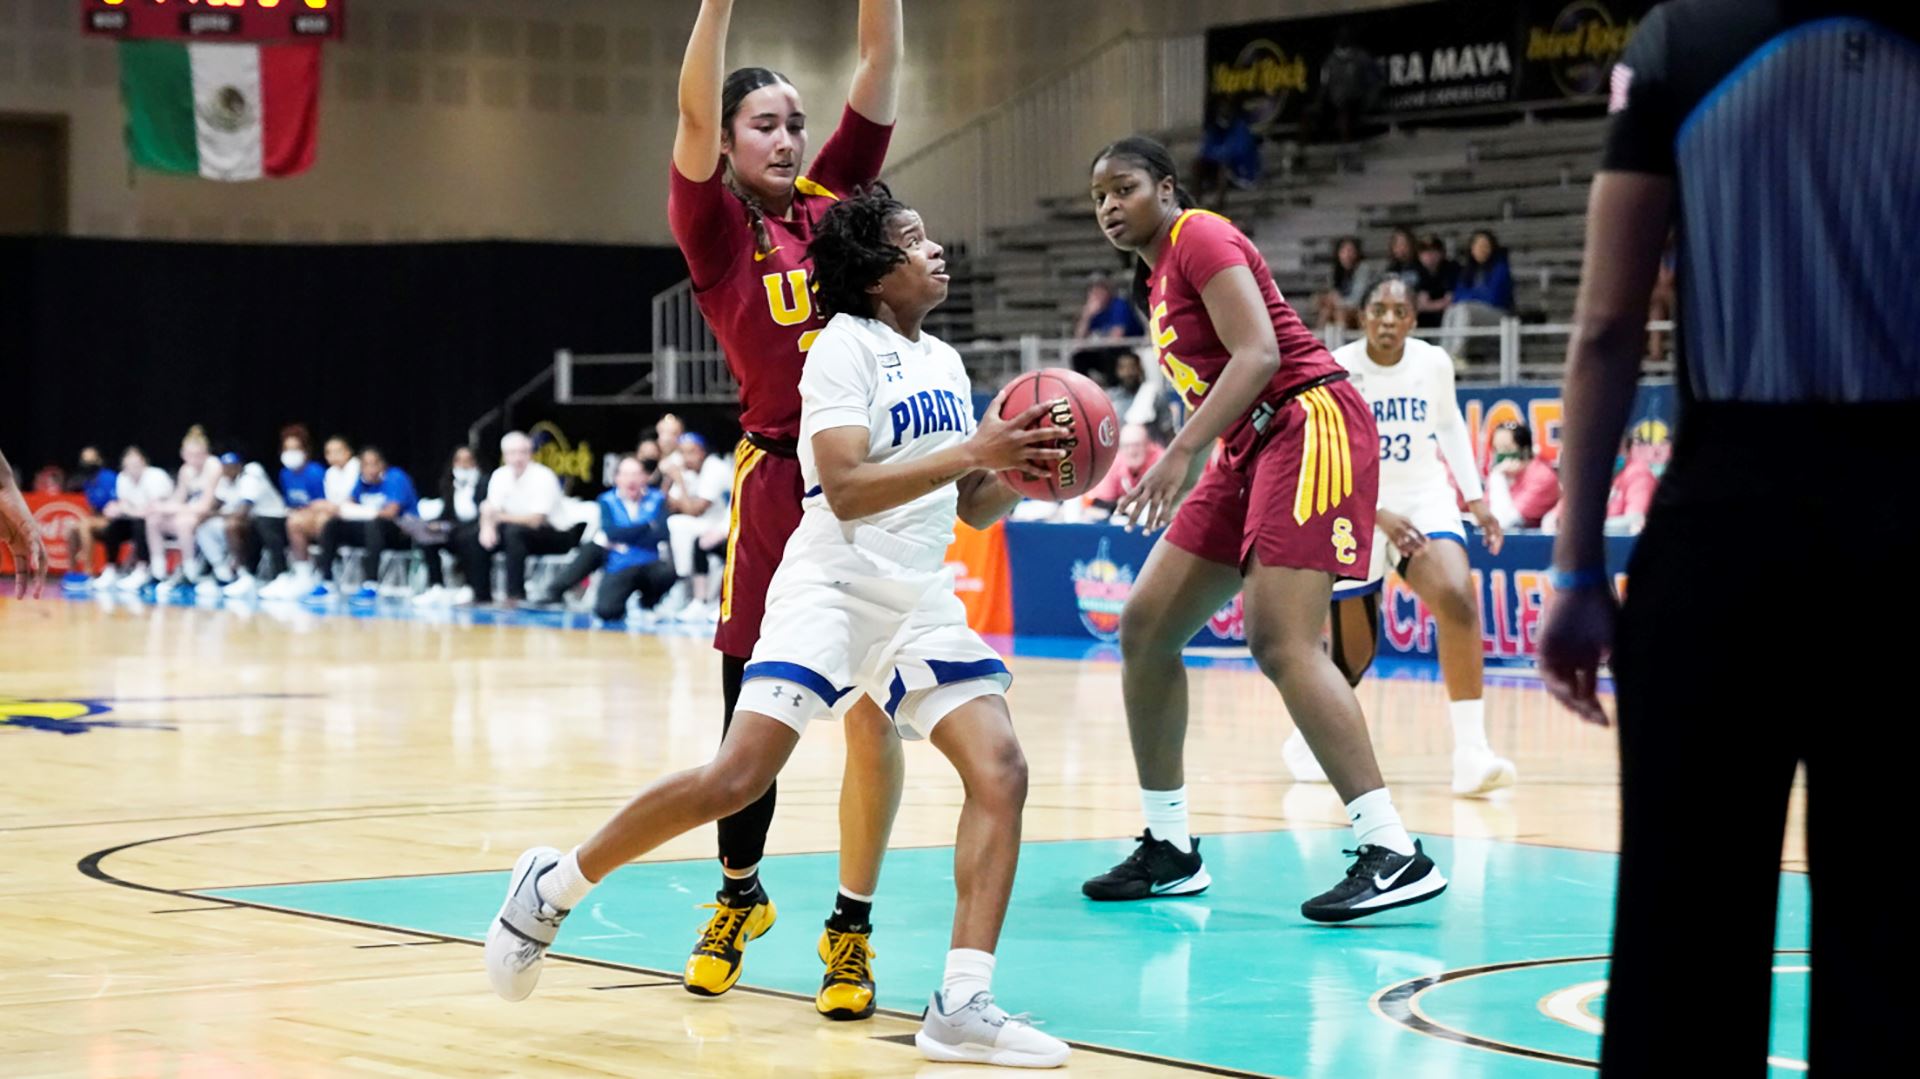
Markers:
{"x": 116, "y": 342}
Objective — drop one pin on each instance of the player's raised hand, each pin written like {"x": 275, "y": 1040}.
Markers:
{"x": 1014, "y": 443}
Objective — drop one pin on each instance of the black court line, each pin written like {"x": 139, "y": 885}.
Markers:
{"x": 91, "y": 867}
{"x": 189, "y": 910}
{"x": 635, "y": 985}
{"x": 1398, "y": 1003}
{"x": 401, "y": 944}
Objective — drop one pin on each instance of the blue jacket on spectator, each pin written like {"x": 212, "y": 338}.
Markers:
{"x": 101, "y": 489}
{"x": 1118, "y": 313}
{"x": 304, "y": 487}
{"x": 633, "y": 539}
{"x": 395, "y": 486}
{"x": 1492, "y": 285}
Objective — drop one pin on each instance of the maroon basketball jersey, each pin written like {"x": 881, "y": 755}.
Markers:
{"x": 1201, "y": 245}
{"x": 760, "y": 304}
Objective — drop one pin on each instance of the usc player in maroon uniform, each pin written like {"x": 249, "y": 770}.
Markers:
{"x": 743, "y": 202}
{"x": 1284, "y": 509}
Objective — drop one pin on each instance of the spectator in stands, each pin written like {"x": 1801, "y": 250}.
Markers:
{"x": 1350, "y": 83}
{"x": 454, "y": 525}
{"x": 1138, "y": 452}
{"x": 95, "y": 481}
{"x": 1139, "y": 395}
{"x": 1521, "y": 488}
{"x": 1433, "y": 288}
{"x": 633, "y": 525}
{"x": 1340, "y": 304}
{"x": 520, "y": 518}
{"x": 666, "y": 434}
{"x": 1402, "y": 261}
{"x": 1662, "y": 303}
{"x": 1105, "y": 317}
{"x": 1229, "y": 155}
{"x": 1483, "y": 294}
{"x": 1643, "y": 459}
{"x": 303, "y": 480}
{"x": 649, "y": 451}
{"x": 307, "y": 517}
{"x": 181, "y": 514}
{"x": 251, "y": 531}
{"x": 697, "y": 530}
{"x": 138, "y": 489}
{"x": 370, "y": 520}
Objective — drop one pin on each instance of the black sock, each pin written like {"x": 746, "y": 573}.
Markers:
{"x": 747, "y": 887}
{"x": 851, "y": 915}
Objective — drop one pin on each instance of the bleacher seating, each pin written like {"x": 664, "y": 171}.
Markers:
{"x": 1528, "y": 182}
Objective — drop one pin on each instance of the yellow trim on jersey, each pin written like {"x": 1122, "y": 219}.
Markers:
{"x": 1326, "y": 464}
{"x": 1180, "y": 223}
{"x": 745, "y": 456}
{"x": 808, "y": 186}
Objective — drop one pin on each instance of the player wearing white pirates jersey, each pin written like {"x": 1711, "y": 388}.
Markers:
{"x": 1418, "y": 529}
{"x": 862, "y": 603}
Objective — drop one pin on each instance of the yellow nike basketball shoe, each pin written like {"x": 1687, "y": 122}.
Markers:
{"x": 715, "y": 963}
{"x": 846, "y": 992}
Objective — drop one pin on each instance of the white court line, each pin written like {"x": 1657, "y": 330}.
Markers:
{"x": 1570, "y": 1006}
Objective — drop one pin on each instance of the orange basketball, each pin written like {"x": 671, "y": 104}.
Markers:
{"x": 1086, "y": 412}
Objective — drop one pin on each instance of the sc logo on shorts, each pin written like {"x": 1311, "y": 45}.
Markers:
{"x": 1345, "y": 547}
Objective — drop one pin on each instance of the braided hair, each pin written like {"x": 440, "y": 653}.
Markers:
{"x": 1153, "y": 157}
{"x": 733, "y": 94}
{"x": 852, "y": 250}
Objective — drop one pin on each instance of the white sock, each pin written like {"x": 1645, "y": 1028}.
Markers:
{"x": 969, "y": 971}
{"x": 739, "y": 874}
{"x": 855, "y": 896}
{"x": 564, "y": 886}
{"x": 1166, "y": 813}
{"x": 1375, "y": 821}
{"x": 1469, "y": 724}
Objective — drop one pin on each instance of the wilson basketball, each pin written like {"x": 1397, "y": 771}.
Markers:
{"x": 1086, "y": 412}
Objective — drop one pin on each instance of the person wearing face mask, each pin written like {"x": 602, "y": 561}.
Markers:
{"x": 456, "y": 525}
{"x": 1521, "y": 488}
{"x": 97, "y": 482}
{"x": 310, "y": 505}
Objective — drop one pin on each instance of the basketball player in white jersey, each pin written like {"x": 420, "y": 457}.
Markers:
{"x": 862, "y": 603}
{"x": 1418, "y": 530}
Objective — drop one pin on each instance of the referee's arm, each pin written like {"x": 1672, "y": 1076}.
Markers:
{"x": 1628, "y": 216}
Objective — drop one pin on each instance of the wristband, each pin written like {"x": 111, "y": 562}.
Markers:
{"x": 1572, "y": 580}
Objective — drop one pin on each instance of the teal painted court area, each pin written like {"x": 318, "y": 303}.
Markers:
{"x": 1234, "y": 979}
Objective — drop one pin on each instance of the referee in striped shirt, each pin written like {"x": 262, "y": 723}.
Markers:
{"x": 1780, "y": 139}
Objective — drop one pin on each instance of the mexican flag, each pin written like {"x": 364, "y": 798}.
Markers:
{"x": 225, "y": 112}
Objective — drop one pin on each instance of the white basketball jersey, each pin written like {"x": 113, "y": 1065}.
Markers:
{"x": 914, "y": 399}
{"x": 1422, "y": 433}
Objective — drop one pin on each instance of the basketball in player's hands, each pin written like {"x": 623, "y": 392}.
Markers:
{"x": 1082, "y": 408}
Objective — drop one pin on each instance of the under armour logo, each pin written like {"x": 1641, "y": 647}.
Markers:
{"x": 797, "y": 698}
